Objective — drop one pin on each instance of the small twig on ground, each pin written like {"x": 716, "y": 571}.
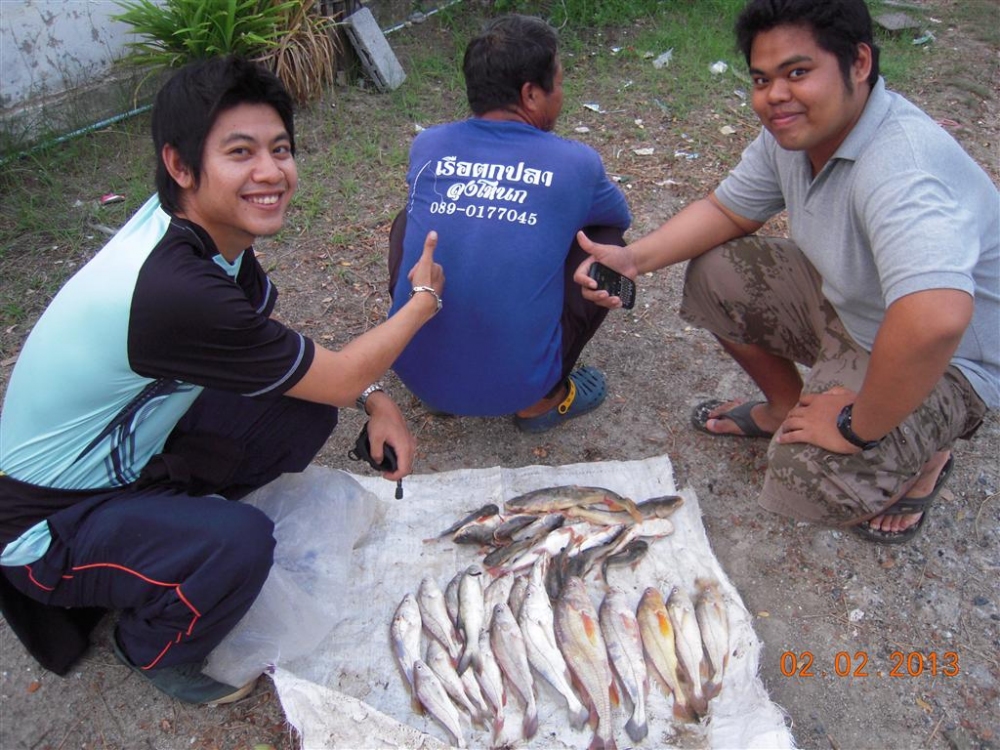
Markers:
{"x": 982, "y": 506}
{"x": 935, "y": 731}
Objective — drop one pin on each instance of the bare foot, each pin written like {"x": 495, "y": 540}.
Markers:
{"x": 921, "y": 488}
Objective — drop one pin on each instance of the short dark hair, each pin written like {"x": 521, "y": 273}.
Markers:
{"x": 839, "y": 26}
{"x": 190, "y": 102}
{"x": 512, "y": 50}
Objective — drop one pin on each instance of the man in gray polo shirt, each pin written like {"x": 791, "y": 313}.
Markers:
{"x": 888, "y": 288}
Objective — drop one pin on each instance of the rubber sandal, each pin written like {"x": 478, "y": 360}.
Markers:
{"x": 739, "y": 415}
{"x": 587, "y": 390}
{"x": 905, "y": 505}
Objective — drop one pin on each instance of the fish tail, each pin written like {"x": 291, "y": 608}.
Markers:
{"x": 600, "y": 743}
{"x": 712, "y": 688}
{"x": 465, "y": 659}
{"x": 530, "y": 726}
{"x": 636, "y": 731}
{"x": 578, "y": 719}
{"x": 682, "y": 711}
{"x": 699, "y": 705}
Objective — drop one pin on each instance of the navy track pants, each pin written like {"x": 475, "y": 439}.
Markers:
{"x": 179, "y": 559}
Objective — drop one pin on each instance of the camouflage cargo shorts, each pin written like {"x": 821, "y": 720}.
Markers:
{"x": 763, "y": 291}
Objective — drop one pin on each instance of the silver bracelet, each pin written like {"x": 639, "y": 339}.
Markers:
{"x": 431, "y": 290}
{"x": 363, "y": 398}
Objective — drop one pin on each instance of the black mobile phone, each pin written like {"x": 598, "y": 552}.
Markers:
{"x": 614, "y": 283}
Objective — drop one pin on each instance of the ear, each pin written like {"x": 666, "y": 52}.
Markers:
{"x": 862, "y": 66}
{"x": 176, "y": 167}
{"x": 530, "y": 96}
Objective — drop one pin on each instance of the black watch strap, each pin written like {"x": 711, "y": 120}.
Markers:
{"x": 847, "y": 431}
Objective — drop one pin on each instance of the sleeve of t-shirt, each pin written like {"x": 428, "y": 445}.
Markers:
{"x": 609, "y": 207}
{"x": 753, "y": 188}
{"x": 194, "y": 324}
{"x": 921, "y": 236}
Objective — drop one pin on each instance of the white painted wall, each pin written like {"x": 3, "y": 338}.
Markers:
{"x": 49, "y": 46}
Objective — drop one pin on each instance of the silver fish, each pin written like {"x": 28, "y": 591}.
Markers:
{"x": 687, "y": 640}
{"x": 451, "y": 598}
{"x": 480, "y": 531}
{"x": 486, "y": 511}
{"x": 537, "y": 622}
{"x": 434, "y": 615}
{"x": 654, "y": 528}
{"x": 433, "y": 696}
{"x": 440, "y": 662}
{"x": 627, "y": 555}
{"x": 511, "y": 525}
{"x": 472, "y": 689}
{"x": 545, "y": 524}
{"x": 551, "y": 544}
{"x": 621, "y": 634}
{"x": 578, "y": 634}
{"x": 491, "y": 681}
{"x": 713, "y": 623}
{"x": 470, "y": 615}
{"x": 581, "y": 563}
{"x": 516, "y": 597}
{"x": 497, "y": 592}
{"x": 658, "y": 643}
{"x": 511, "y": 654}
{"x": 405, "y": 632}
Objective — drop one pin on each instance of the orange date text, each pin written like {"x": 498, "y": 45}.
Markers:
{"x": 859, "y": 664}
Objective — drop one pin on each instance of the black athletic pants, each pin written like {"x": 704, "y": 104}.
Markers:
{"x": 174, "y": 553}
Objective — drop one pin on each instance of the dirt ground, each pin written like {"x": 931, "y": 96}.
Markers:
{"x": 818, "y": 596}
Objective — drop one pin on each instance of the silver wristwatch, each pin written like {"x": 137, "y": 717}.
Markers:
{"x": 363, "y": 398}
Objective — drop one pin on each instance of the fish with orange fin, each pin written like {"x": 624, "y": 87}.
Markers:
{"x": 555, "y": 499}
{"x": 657, "y": 634}
{"x": 578, "y": 635}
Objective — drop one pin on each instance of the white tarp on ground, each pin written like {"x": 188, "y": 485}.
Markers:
{"x": 349, "y": 693}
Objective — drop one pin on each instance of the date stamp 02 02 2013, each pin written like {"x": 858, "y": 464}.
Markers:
{"x": 845, "y": 664}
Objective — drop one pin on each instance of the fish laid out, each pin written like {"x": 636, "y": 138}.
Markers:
{"x": 526, "y": 614}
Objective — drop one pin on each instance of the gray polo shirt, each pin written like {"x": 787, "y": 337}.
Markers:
{"x": 899, "y": 208}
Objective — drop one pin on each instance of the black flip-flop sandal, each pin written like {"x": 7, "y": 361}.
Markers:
{"x": 905, "y": 506}
{"x": 739, "y": 415}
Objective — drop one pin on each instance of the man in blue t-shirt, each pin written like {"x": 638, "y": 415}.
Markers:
{"x": 506, "y": 197}
{"x": 156, "y": 389}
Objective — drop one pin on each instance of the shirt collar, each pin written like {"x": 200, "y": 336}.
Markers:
{"x": 876, "y": 108}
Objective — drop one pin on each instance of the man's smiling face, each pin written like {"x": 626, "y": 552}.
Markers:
{"x": 247, "y": 180}
{"x": 800, "y": 94}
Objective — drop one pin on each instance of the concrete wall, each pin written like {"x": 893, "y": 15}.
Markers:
{"x": 56, "y": 64}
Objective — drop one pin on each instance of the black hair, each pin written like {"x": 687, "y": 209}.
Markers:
{"x": 190, "y": 102}
{"x": 512, "y": 50}
{"x": 838, "y": 26}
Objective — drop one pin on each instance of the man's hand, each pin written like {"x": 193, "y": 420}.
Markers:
{"x": 814, "y": 420}
{"x": 387, "y": 426}
{"x": 614, "y": 257}
{"x": 426, "y": 272}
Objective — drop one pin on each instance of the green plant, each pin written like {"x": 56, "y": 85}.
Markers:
{"x": 297, "y": 43}
{"x": 178, "y": 31}
{"x": 306, "y": 53}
